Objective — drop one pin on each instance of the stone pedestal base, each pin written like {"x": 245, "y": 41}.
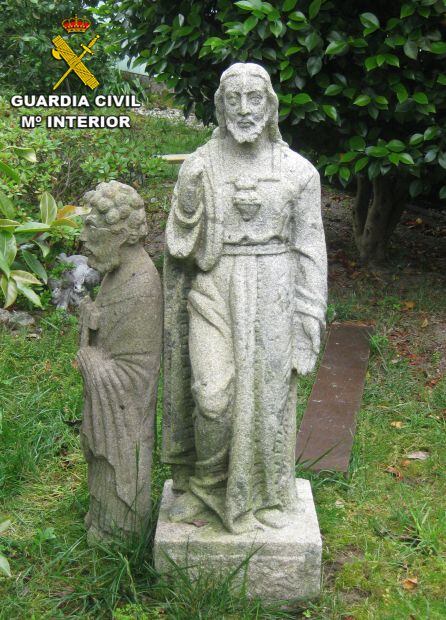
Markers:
{"x": 285, "y": 563}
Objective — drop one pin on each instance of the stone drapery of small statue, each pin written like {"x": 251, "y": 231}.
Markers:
{"x": 119, "y": 358}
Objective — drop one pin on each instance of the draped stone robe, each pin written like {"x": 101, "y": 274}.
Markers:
{"x": 240, "y": 273}
{"x": 121, "y": 338}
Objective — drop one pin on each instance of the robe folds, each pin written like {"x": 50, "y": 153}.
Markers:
{"x": 119, "y": 360}
{"x": 236, "y": 290}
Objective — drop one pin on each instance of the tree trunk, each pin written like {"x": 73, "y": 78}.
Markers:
{"x": 377, "y": 210}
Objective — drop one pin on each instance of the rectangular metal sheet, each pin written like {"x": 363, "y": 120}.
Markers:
{"x": 329, "y": 422}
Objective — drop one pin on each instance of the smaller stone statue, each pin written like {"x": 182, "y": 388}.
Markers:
{"x": 119, "y": 358}
{"x": 75, "y": 282}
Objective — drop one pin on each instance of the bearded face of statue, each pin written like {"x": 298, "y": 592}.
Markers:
{"x": 101, "y": 246}
{"x": 117, "y": 218}
{"x": 246, "y": 107}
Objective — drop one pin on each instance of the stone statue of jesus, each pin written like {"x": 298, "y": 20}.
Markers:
{"x": 245, "y": 298}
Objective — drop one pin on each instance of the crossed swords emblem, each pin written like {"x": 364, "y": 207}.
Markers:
{"x": 63, "y": 50}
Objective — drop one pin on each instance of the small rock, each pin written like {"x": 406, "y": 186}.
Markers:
{"x": 418, "y": 455}
{"x": 18, "y": 318}
{"x": 171, "y": 114}
{"x": 5, "y": 316}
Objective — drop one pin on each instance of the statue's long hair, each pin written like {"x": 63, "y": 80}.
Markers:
{"x": 252, "y": 69}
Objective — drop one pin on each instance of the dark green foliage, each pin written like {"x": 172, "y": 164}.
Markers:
{"x": 360, "y": 83}
{"x": 374, "y": 80}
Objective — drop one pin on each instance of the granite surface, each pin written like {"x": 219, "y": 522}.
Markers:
{"x": 283, "y": 563}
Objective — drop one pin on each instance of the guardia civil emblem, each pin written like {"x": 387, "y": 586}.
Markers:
{"x": 63, "y": 51}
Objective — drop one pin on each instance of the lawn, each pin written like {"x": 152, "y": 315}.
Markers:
{"x": 383, "y": 526}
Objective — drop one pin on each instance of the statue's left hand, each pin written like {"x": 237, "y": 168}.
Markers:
{"x": 308, "y": 344}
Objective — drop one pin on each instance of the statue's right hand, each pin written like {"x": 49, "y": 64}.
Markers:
{"x": 190, "y": 187}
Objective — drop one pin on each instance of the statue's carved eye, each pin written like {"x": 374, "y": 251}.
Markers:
{"x": 255, "y": 99}
{"x": 232, "y": 99}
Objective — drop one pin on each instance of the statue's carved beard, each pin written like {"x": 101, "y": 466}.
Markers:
{"x": 104, "y": 262}
{"x": 249, "y": 133}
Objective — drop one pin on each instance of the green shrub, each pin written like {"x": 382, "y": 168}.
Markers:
{"x": 19, "y": 242}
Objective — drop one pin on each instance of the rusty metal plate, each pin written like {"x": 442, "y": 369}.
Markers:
{"x": 325, "y": 437}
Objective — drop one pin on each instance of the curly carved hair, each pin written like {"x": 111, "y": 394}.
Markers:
{"x": 117, "y": 206}
{"x": 255, "y": 70}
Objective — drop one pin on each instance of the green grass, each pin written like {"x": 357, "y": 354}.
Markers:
{"x": 378, "y": 529}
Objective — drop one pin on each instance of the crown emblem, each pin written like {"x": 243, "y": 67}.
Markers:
{"x": 74, "y": 24}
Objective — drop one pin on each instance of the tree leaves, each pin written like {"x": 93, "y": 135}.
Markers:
{"x": 9, "y": 289}
{"x": 396, "y": 146}
{"x": 416, "y": 139}
{"x": 361, "y": 164}
{"x": 297, "y": 16}
{"x": 406, "y": 158}
{"x": 32, "y": 227}
{"x": 4, "y": 266}
{"x": 48, "y": 208}
{"x": 8, "y": 224}
{"x": 431, "y": 133}
{"x": 9, "y": 172}
{"x": 35, "y": 265}
{"x": 276, "y": 28}
{"x": 357, "y": 143}
{"x": 314, "y": 65}
{"x": 333, "y": 89}
{"x": 369, "y": 20}
{"x": 26, "y": 153}
{"x": 286, "y": 74}
{"x": 302, "y": 99}
{"x": 8, "y": 246}
{"x": 311, "y": 41}
{"x": 438, "y": 47}
{"x": 411, "y": 49}
{"x": 289, "y": 5}
{"x": 331, "y": 112}
{"x": 249, "y": 24}
{"x": 362, "y": 100}
{"x": 314, "y": 8}
{"x": 377, "y": 151}
{"x": 29, "y": 293}
{"x": 7, "y": 207}
{"x": 336, "y": 47}
{"x": 407, "y": 10}
{"x": 442, "y": 159}
{"x": 370, "y": 23}
{"x": 420, "y": 98}
{"x": 401, "y": 92}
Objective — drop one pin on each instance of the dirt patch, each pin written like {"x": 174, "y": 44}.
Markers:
{"x": 348, "y": 554}
{"x": 354, "y": 596}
